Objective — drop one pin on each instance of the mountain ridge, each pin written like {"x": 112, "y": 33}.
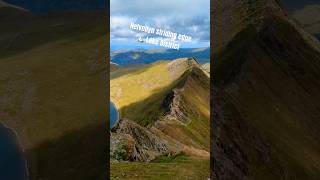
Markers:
{"x": 265, "y": 106}
{"x": 171, "y": 122}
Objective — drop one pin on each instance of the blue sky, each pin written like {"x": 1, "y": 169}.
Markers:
{"x": 298, "y": 4}
{"x": 190, "y": 17}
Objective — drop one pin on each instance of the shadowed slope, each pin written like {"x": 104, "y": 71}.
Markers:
{"x": 266, "y": 104}
{"x": 53, "y": 93}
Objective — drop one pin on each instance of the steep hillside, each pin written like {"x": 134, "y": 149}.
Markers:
{"x": 266, "y": 104}
{"x": 167, "y": 115}
{"x": 52, "y": 93}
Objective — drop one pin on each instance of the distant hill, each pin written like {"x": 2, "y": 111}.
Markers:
{"x": 309, "y": 18}
{"x": 146, "y": 56}
{"x": 44, "y": 6}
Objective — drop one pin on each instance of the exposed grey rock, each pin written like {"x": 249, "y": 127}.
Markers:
{"x": 177, "y": 109}
{"x": 132, "y": 142}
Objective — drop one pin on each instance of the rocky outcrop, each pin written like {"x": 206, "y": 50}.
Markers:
{"x": 176, "y": 103}
{"x": 132, "y": 142}
{"x": 177, "y": 108}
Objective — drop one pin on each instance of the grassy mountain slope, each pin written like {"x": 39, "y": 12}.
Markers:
{"x": 44, "y": 62}
{"x": 175, "y": 109}
{"x": 180, "y": 167}
{"x": 266, "y": 103}
{"x": 145, "y": 84}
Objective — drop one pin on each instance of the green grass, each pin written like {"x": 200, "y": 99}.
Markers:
{"x": 138, "y": 92}
{"x": 138, "y": 85}
{"x": 53, "y": 93}
{"x": 177, "y": 168}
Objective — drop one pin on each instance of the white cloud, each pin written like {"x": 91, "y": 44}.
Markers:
{"x": 119, "y": 21}
{"x": 160, "y": 7}
{"x": 190, "y": 17}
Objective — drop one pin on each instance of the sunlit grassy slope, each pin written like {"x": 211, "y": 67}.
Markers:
{"x": 53, "y": 93}
{"x": 148, "y": 84}
{"x": 144, "y": 82}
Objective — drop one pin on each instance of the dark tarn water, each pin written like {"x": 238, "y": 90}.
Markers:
{"x": 12, "y": 163}
{"x": 114, "y": 115}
